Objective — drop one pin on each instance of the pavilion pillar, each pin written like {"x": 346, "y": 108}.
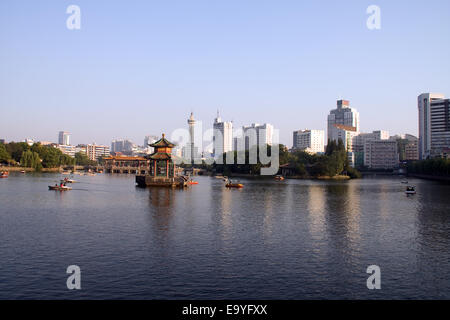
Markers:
{"x": 167, "y": 168}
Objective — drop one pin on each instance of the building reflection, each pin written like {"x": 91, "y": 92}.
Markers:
{"x": 268, "y": 209}
{"x": 343, "y": 216}
{"x": 225, "y": 211}
{"x": 379, "y": 194}
{"x": 316, "y": 210}
{"x": 162, "y": 203}
{"x": 433, "y": 219}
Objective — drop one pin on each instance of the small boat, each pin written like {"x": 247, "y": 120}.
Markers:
{"x": 65, "y": 172}
{"x": 405, "y": 182}
{"x": 23, "y": 171}
{"x": 279, "y": 178}
{"x": 231, "y": 184}
{"x": 234, "y": 185}
{"x": 59, "y": 188}
{"x": 410, "y": 190}
{"x": 192, "y": 182}
{"x": 4, "y": 174}
{"x": 67, "y": 180}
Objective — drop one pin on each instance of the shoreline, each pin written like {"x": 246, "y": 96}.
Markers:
{"x": 18, "y": 169}
{"x": 430, "y": 177}
{"x": 251, "y": 176}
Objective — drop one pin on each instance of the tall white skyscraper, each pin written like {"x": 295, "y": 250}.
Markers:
{"x": 64, "y": 138}
{"x": 311, "y": 141}
{"x": 434, "y": 124}
{"x": 223, "y": 137}
{"x": 342, "y": 117}
{"x": 191, "y": 145}
{"x": 149, "y": 140}
{"x": 257, "y": 134}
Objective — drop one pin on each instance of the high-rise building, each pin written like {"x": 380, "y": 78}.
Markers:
{"x": 412, "y": 151}
{"x": 148, "y": 140}
{"x": 223, "y": 137}
{"x": 311, "y": 141}
{"x": 94, "y": 152}
{"x": 123, "y": 146}
{"x": 64, "y": 138}
{"x": 440, "y": 127}
{"x": 256, "y": 134}
{"x": 67, "y": 149}
{"x": 434, "y": 124}
{"x": 343, "y": 116}
{"x": 191, "y": 151}
{"x": 381, "y": 154}
{"x": 360, "y": 139}
{"x": 359, "y": 142}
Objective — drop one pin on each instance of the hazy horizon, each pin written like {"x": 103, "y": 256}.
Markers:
{"x": 139, "y": 68}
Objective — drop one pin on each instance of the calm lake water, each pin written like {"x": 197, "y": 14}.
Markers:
{"x": 271, "y": 240}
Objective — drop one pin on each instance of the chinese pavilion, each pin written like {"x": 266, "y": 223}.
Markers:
{"x": 162, "y": 168}
{"x": 161, "y": 164}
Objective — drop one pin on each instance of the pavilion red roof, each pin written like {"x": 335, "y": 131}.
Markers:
{"x": 162, "y": 143}
{"x": 160, "y": 156}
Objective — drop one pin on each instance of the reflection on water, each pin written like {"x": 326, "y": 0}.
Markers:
{"x": 161, "y": 205}
{"x": 294, "y": 239}
{"x": 316, "y": 211}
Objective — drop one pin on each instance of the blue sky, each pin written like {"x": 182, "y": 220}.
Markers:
{"x": 140, "y": 67}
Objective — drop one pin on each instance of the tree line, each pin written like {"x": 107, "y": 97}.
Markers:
{"x": 437, "y": 166}
{"x": 38, "y": 156}
{"x": 334, "y": 162}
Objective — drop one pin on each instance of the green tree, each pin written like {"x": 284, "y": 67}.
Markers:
{"x": 16, "y": 149}
{"x": 4, "y": 155}
{"x": 51, "y": 157}
{"x": 66, "y": 160}
{"x": 82, "y": 159}
{"x": 430, "y": 167}
{"x": 31, "y": 159}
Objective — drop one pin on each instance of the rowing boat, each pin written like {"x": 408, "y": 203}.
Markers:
{"x": 59, "y": 188}
{"x": 234, "y": 185}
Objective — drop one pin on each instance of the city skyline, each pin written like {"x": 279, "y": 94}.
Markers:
{"x": 235, "y": 130}
{"x": 117, "y": 75}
